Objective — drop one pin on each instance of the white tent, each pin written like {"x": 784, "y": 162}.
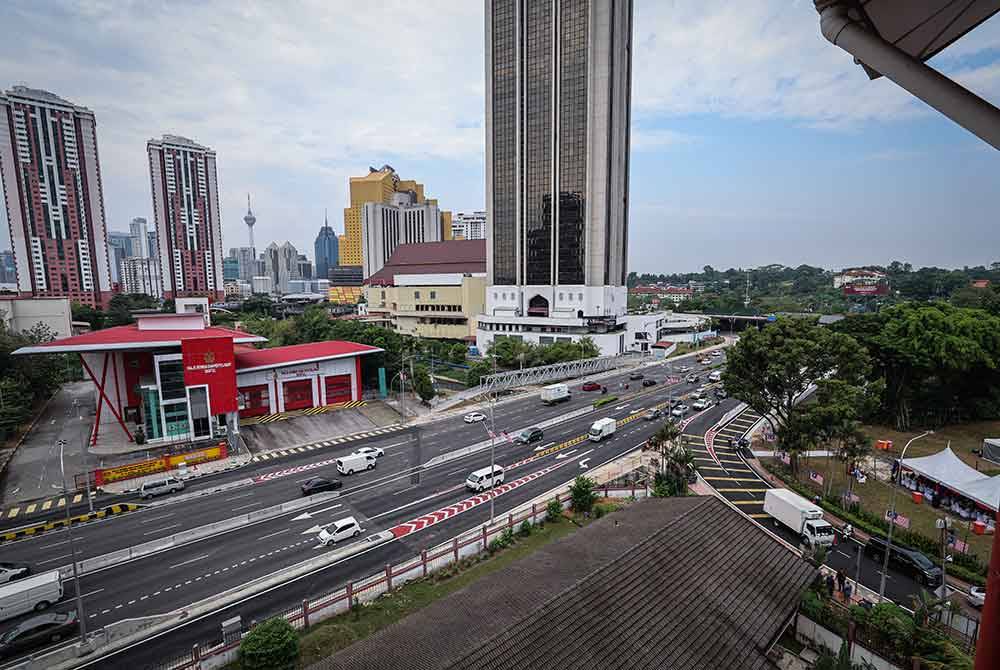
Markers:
{"x": 949, "y": 470}
{"x": 991, "y": 449}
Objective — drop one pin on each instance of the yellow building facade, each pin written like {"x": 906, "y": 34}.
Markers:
{"x": 444, "y": 311}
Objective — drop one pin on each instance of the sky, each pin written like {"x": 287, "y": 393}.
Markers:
{"x": 754, "y": 140}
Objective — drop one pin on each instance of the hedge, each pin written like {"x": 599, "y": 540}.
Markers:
{"x": 604, "y": 401}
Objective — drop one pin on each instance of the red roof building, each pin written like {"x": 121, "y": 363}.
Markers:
{"x": 448, "y": 257}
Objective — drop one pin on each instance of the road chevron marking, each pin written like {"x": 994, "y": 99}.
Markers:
{"x": 440, "y": 515}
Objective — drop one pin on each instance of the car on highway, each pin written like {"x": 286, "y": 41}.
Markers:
{"x": 977, "y": 596}
{"x": 699, "y": 394}
{"x": 160, "y": 486}
{"x": 715, "y": 376}
{"x": 691, "y": 379}
{"x": 11, "y": 571}
{"x": 474, "y": 417}
{"x": 635, "y": 376}
{"x": 680, "y": 410}
{"x": 529, "y": 435}
{"x": 320, "y": 484}
{"x": 652, "y": 414}
{"x": 716, "y": 353}
{"x": 906, "y": 560}
{"x": 39, "y": 631}
{"x": 702, "y": 403}
{"x": 720, "y": 393}
{"x": 648, "y": 382}
{"x": 374, "y": 451}
{"x": 348, "y": 465}
{"x": 590, "y": 386}
{"x": 484, "y": 478}
{"x": 684, "y": 368}
{"x": 342, "y": 529}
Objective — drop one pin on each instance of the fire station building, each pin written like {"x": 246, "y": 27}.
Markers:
{"x": 174, "y": 377}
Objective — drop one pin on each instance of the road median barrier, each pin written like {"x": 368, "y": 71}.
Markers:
{"x": 55, "y": 524}
{"x": 115, "y": 558}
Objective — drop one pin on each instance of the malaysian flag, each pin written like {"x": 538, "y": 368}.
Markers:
{"x": 816, "y": 477}
{"x": 900, "y": 520}
{"x": 959, "y": 546}
{"x": 785, "y": 458}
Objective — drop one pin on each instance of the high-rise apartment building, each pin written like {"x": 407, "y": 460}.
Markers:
{"x": 379, "y": 186}
{"x": 327, "y": 250}
{"x": 139, "y": 231}
{"x": 404, "y": 220}
{"x": 119, "y": 248}
{"x": 51, "y": 180}
{"x": 469, "y": 226}
{"x": 141, "y": 275}
{"x": 557, "y": 156}
{"x": 186, "y": 213}
{"x": 8, "y": 271}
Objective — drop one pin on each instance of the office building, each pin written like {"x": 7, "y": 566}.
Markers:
{"x": 246, "y": 262}
{"x": 281, "y": 264}
{"x": 378, "y": 186}
{"x": 230, "y": 269}
{"x": 327, "y": 249}
{"x": 186, "y": 215}
{"x": 8, "y": 271}
{"x": 119, "y": 248}
{"x": 557, "y": 158}
{"x": 305, "y": 267}
{"x": 139, "y": 232}
{"x": 469, "y": 226}
{"x": 141, "y": 275}
{"x": 403, "y": 220}
{"x": 57, "y": 226}
{"x": 434, "y": 290}
{"x": 309, "y": 286}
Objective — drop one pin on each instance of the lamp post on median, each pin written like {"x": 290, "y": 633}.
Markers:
{"x": 72, "y": 551}
{"x": 892, "y": 513}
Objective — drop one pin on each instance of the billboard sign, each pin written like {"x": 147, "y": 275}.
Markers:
{"x": 867, "y": 288}
{"x": 211, "y": 361}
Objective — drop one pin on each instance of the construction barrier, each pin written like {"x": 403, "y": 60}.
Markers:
{"x": 39, "y": 528}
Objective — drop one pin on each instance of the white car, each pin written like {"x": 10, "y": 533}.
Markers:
{"x": 684, "y": 368}
{"x": 977, "y": 595}
{"x": 11, "y": 571}
{"x": 716, "y": 353}
{"x": 702, "y": 403}
{"x": 341, "y": 529}
{"x": 680, "y": 410}
{"x": 370, "y": 451}
{"x": 474, "y": 417}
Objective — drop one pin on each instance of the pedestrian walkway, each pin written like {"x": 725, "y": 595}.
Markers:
{"x": 311, "y": 411}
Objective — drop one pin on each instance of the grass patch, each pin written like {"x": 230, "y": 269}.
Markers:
{"x": 963, "y": 437}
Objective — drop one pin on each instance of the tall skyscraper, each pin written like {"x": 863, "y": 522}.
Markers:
{"x": 327, "y": 250}
{"x": 139, "y": 231}
{"x": 250, "y": 220}
{"x": 52, "y": 189}
{"x": 186, "y": 212}
{"x": 557, "y": 156}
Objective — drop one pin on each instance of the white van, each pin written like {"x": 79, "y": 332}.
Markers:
{"x": 159, "y": 487}
{"x": 341, "y": 529}
{"x": 484, "y": 478}
{"x": 30, "y": 593}
{"x": 352, "y": 463}
{"x": 716, "y": 376}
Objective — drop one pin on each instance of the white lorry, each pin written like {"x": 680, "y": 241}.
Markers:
{"x": 30, "y": 593}
{"x": 602, "y": 428}
{"x": 800, "y": 515}
{"x": 554, "y": 393}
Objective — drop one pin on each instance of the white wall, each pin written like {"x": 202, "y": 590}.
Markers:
{"x": 20, "y": 315}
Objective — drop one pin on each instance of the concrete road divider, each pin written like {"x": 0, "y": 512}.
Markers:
{"x": 41, "y": 527}
{"x": 115, "y": 558}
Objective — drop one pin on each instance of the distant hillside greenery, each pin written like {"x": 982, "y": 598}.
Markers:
{"x": 779, "y": 288}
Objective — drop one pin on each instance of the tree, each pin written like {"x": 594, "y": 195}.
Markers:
{"x": 94, "y": 317}
{"x": 457, "y": 353}
{"x": 662, "y": 441}
{"x": 271, "y": 645}
{"x": 582, "y": 495}
{"x": 769, "y": 369}
{"x": 422, "y": 384}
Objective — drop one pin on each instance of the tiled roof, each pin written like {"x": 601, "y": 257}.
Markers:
{"x": 299, "y": 353}
{"x": 679, "y": 583}
{"x": 450, "y": 256}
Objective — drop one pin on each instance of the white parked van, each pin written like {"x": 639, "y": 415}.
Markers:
{"x": 484, "y": 478}
{"x": 31, "y": 593}
{"x": 341, "y": 529}
{"x": 352, "y": 463}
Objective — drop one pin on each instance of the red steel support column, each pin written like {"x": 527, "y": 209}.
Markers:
{"x": 100, "y": 388}
{"x": 114, "y": 373}
{"x": 100, "y": 398}
{"x": 988, "y": 646}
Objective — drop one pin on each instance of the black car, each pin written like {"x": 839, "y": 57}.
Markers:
{"x": 635, "y": 375}
{"x": 39, "y": 631}
{"x": 649, "y": 382}
{"x": 319, "y": 484}
{"x": 529, "y": 435}
{"x": 906, "y": 560}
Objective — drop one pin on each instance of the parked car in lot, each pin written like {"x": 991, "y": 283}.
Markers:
{"x": 474, "y": 417}
{"x": 702, "y": 403}
{"x": 648, "y": 382}
{"x": 635, "y": 375}
{"x": 11, "y": 571}
{"x": 159, "y": 487}
{"x": 341, "y": 529}
{"x": 977, "y": 596}
{"x": 529, "y": 435}
{"x": 652, "y": 414}
{"x": 906, "y": 560}
{"x": 39, "y": 631}
{"x": 370, "y": 451}
{"x": 590, "y": 386}
{"x": 691, "y": 379}
{"x": 320, "y": 484}
{"x": 680, "y": 410}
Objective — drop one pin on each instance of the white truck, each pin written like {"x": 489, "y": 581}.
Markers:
{"x": 800, "y": 515}
{"x": 30, "y": 593}
{"x": 554, "y": 393}
{"x": 602, "y": 428}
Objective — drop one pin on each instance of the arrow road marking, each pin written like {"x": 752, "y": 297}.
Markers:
{"x": 621, "y": 407}
{"x": 309, "y": 515}
{"x": 583, "y": 463}
{"x": 317, "y": 528}
{"x": 559, "y": 457}
{"x": 544, "y": 447}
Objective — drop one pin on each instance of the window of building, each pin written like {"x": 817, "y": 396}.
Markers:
{"x": 433, "y": 295}
{"x": 560, "y": 296}
{"x": 416, "y": 295}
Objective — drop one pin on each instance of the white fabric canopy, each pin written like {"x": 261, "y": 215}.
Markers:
{"x": 949, "y": 470}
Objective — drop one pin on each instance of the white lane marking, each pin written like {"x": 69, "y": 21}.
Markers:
{"x": 253, "y": 504}
{"x": 408, "y": 488}
{"x": 176, "y": 525}
{"x": 53, "y": 560}
{"x": 243, "y": 495}
{"x": 156, "y": 518}
{"x": 193, "y": 560}
{"x": 92, "y": 593}
{"x": 283, "y": 530}
{"x": 455, "y": 472}
{"x": 56, "y": 544}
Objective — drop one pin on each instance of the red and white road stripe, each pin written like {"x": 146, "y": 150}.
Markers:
{"x": 277, "y": 474}
{"x": 437, "y": 516}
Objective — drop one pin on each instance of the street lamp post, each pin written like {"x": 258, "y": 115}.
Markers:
{"x": 892, "y": 513}
{"x": 72, "y": 551}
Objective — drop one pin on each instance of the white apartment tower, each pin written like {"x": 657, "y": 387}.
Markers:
{"x": 186, "y": 212}
{"x": 384, "y": 226}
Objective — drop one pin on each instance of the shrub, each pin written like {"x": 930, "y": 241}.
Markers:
{"x": 598, "y": 511}
{"x": 525, "y": 529}
{"x": 604, "y": 401}
{"x": 554, "y": 510}
{"x": 507, "y": 537}
{"x": 271, "y": 645}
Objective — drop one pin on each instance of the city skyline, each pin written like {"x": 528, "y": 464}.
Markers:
{"x": 694, "y": 138}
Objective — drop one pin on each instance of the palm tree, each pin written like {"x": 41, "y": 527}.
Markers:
{"x": 663, "y": 440}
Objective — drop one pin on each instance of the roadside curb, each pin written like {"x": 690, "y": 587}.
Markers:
{"x": 39, "y": 528}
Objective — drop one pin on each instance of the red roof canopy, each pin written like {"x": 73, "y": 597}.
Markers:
{"x": 299, "y": 353}
{"x": 130, "y": 337}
